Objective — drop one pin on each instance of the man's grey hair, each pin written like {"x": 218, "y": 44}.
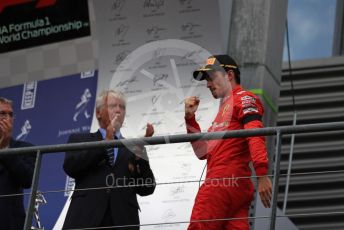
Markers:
{"x": 100, "y": 101}
{"x": 6, "y": 101}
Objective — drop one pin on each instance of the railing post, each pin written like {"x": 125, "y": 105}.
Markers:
{"x": 291, "y": 152}
{"x": 34, "y": 187}
{"x": 276, "y": 180}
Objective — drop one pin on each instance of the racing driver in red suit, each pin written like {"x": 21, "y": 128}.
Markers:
{"x": 228, "y": 190}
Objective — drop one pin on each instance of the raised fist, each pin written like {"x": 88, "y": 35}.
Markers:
{"x": 191, "y": 106}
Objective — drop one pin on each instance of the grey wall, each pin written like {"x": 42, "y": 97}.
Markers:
{"x": 225, "y": 22}
{"x": 256, "y": 42}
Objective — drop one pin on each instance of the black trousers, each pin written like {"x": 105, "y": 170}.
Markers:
{"x": 107, "y": 219}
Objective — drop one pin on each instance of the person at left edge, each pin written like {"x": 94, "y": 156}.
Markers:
{"x": 96, "y": 168}
{"x": 15, "y": 172}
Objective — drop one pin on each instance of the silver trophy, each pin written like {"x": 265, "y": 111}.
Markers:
{"x": 38, "y": 202}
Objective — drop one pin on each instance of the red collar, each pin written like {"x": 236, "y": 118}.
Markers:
{"x": 237, "y": 89}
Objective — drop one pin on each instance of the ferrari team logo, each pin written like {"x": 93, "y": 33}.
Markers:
{"x": 211, "y": 61}
{"x": 225, "y": 109}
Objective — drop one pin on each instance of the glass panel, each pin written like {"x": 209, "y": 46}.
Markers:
{"x": 311, "y": 28}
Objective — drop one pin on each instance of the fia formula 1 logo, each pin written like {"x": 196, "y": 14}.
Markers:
{"x": 40, "y": 3}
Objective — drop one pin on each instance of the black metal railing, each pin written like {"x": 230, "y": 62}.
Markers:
{"x": 169, "y": 139}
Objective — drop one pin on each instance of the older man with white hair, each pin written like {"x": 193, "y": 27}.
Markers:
{"x": 107, "y": 179}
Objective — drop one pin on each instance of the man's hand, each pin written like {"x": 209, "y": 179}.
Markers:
{"x": 191, "y": 106}
{"x": 113, "y": 126}
{"x": 139, "y": 151}
{"x": 149, "y": 130}
{"x": 5, "y": 132}
{"x": 265, "y": 190}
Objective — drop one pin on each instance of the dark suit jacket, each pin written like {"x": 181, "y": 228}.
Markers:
{"x": 15, "y": 174}
{"x": 90, "y": 169}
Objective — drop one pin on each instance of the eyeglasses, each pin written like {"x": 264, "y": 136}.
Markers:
{"x": 4, "y": 114}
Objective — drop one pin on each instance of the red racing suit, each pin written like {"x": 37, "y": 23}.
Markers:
{"x": 223, "y": 195}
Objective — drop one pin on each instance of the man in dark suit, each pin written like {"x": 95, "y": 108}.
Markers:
{"x": 15, "y": 172}
{"x": 115, "y": 174}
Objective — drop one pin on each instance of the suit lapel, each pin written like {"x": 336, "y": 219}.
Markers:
{"x": 97, "y": 136}
{"x": 13, "y": 143}
{"x": 121, "y": 155}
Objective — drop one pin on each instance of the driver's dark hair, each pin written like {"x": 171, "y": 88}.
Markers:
{"x": 236, "y": 74}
